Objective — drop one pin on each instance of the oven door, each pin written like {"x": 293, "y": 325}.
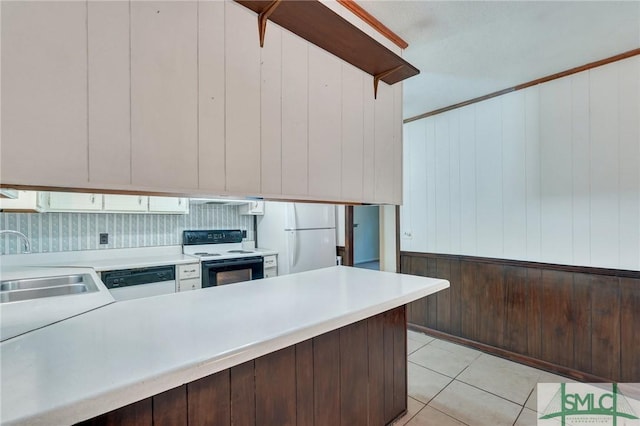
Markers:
{"x": 228, "y": 271}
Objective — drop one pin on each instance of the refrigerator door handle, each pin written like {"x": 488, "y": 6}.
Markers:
{"x": 293, "y": 248}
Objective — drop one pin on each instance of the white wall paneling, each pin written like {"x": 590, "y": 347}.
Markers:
{"x": 547, "y": 174}
{"x": 211, "y": 96}
{"x": 556, "y": 171}
{"x": 629, "y": 122}
{"x": 467, "y": 123}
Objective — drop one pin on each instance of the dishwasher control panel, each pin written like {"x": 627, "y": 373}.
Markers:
{"x": 139, "y": 276}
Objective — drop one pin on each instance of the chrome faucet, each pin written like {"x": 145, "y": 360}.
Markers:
{"x": 27, "y": 244}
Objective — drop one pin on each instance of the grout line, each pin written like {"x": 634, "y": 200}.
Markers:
{"x": 448, "y": 415}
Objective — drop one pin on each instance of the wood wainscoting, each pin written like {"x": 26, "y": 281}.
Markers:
{"x": 576, "y": 321}
{"x": 356, "y": 374}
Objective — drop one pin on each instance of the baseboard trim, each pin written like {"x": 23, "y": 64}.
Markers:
{"x": 512, "y": 356}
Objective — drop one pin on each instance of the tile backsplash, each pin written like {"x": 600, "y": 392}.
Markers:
{"x": 54, "y": 232}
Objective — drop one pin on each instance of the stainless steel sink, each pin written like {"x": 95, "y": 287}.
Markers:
{"x": 36, "y": 288}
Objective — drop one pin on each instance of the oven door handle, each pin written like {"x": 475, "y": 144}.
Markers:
{"x": 232, "y": 262}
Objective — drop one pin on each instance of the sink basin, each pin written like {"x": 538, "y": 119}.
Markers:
{"x": 36, "y": 288}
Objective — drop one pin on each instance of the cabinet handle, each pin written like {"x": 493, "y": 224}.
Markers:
{"x": 93, "y": 198}
{"x": 140, "y": 200}
{"x": 179, "y": 201}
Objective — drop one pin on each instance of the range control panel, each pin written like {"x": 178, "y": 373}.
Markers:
{"x": 217, "y": 236}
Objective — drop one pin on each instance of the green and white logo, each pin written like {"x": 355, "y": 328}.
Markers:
{"x": 575, "y": 404}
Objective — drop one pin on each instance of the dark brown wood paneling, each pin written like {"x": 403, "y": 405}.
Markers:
{"x": 432, "y": 301}
{"x": 208, "y": 400}
{"x": 418, "y": 309}
{"x": 326, "y": 373}
{"x": 375, "y": 340}
{"x": 516, "y": 298}
{"x": 304, "y": 382}
{"x": 243, "y": 408}
{"x": 582, "y": 319}
{"x": 354, "y": 371}
{"x": 275, "y": 376}
{"x": 557, "y": 317}
{"x": 347, "y": 260}
{"x": 388, "y": 366}
{"x": 605, "y": 339}
{"x": 546, "y": 314}
{"x": 137, "y": 414}
{"x": 469, "y": 302}
{"x": 455, "y": 289}
{"x": 399, "y": 362}
{"x": 170, "y": 407}
{"x": 443, "y": 297}
{"x": 534, "y": 313}
{"x": 629, "y": 326}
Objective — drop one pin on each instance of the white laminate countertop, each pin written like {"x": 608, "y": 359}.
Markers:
{"x": 124, "y": 352}
{"x": 104, "y": 260}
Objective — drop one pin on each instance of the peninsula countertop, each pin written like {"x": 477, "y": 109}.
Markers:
{"x": 124, "y": 352}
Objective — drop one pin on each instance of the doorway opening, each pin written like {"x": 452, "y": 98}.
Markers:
{"x": 366, "y": 237}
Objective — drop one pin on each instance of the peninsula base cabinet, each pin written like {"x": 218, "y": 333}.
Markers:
{"x": 137, "y": 98}
{"x": 355, "y": 375}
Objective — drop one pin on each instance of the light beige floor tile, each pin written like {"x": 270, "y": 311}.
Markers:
{"x": 506, "y": 379}
{"x": 423, "y": 384}
{"x": 429, "y": 416}
{"x": 474, "y": 406}
{"x": 526, "y": 418}
{"x": 441, "y": 360}
{"x": 455, "y": 348}
{"x": 414, "y": 345}
{"x": 544, "y": 377}
{"x": 419, "y": 337}
{"x": 413, "y": 406}
{"x": 532, "y": 402}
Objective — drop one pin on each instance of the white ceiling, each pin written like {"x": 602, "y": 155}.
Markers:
{"x": 466, "y": 49}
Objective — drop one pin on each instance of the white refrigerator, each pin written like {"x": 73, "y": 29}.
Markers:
{"x": 304, "y": 234}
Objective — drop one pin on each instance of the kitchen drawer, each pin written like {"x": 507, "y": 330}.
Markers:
{"x": 270, "y": 261}
{"x": 270, "y": 272}
{"x": 190, "y": 284}
{"x": 192, "y": 270}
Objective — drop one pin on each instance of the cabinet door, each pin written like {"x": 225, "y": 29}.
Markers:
{"x": 384, "y": 155}
{"x": 352, "y": 133}
{"x": 164, "y": 94}
{"x": 109, "y": 94}
{"x": 325, "y": 124}
{"x": 295, "y": 124}
{"x": 44, "y": 93}
{"x": 70, "y": 201}
{"x": 126, "y": 203}
{"x": 242, "y": 63}
{"x": 168, "y": 205}
{"x": 211, "y": 96}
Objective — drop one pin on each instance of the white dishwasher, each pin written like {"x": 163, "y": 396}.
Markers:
{"x": 128, "y": 284}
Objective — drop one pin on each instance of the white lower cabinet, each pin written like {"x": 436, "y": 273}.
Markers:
{"x": 188, "y": 277}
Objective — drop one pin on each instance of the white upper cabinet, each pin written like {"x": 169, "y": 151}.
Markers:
{"x": 164, "y": 94}
{"x": 70, "y": 201}
{"x": 168, "y": 205}
{"x": 179, "y": 97}
{"x": 109, "y": 89}
{"x": 125, "y": 203}
{"x": 242, "y": 99}
{"x": 44, "y": 93}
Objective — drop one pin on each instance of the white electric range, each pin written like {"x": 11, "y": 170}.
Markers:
{"x": 223, "y": 260}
